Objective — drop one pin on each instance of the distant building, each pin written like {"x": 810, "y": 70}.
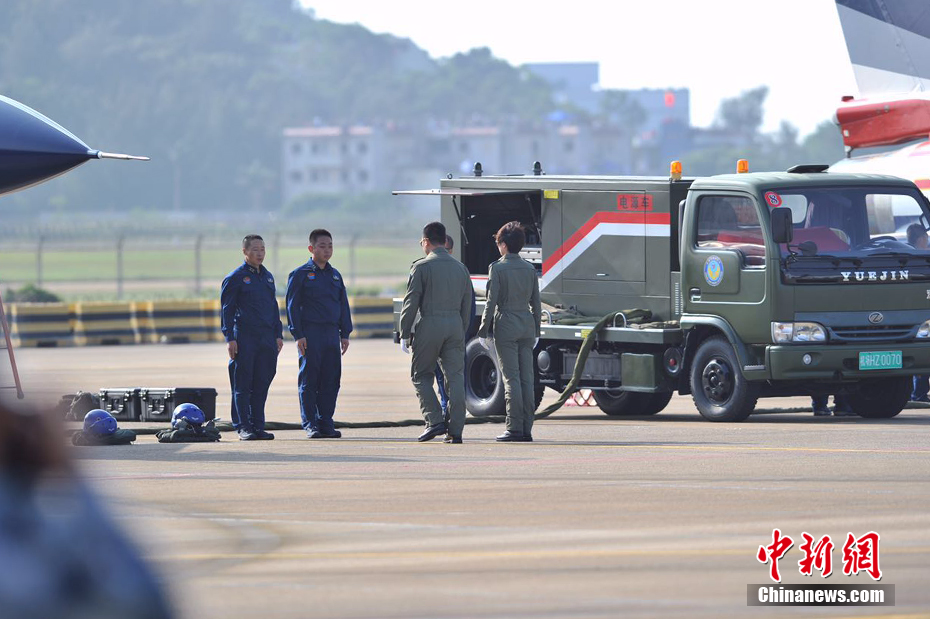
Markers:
{"x": 645, "y": 129}
{"x": 335, "y": 160}
{"x": 572, "y": 82}
{"x": 364, "y": 159}
{"x": 662, "y": 106}
{"x": 474, "y": 144}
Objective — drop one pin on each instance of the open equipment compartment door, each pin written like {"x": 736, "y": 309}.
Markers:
{"x": 483, "y": 216}
{"x": 479, "y": 214}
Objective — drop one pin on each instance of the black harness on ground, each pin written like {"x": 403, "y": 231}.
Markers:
{"x": 86, "y": 439}
{"x": 186, "y": 433}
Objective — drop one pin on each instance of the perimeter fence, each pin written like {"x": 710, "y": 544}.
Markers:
{"x": 104, "y": 264}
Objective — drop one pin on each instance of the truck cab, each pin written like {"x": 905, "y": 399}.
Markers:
{"x": 835, "y": 300}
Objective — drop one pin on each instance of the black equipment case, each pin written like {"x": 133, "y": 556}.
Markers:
{"x": 124, "y": 403}
{"x": 159, "y": 403}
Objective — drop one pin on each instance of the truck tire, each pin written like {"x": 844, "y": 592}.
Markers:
{"x": 718, "y": 388}
{"x": 658, "y": 402}
{"x": 618, "y": 403}
{"x": 484, "y": 384}
{"x": 881, "y": 398}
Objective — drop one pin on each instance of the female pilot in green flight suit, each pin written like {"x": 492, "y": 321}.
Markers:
{"x": 513, "y": 302}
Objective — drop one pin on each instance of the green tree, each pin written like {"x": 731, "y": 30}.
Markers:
{"x": 205, "y": 88}
{"x": 825, "y": 144}
{"x": 743, "y": 114}
{"x": 618, "y": 108}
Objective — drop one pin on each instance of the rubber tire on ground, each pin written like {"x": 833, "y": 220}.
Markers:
{"x": 728, "y": 395}
{"x": 617, "y": 403}
{"x": 658, "y": 402}
{"x": 881, "y": 398}
{"x": 484, "y": 383}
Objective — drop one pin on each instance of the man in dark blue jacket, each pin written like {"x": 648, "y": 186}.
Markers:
{"x": 251, "y": 324}
{"x": 318, "y": 318}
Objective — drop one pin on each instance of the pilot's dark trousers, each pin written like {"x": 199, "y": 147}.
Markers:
{"x": 250, "y": 376}
{"x": 319, "y": 377}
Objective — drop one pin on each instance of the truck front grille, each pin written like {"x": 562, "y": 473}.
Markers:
{"x": 874, "y": 333}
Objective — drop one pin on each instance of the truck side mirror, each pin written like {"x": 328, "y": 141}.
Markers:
{"x": 782, "y": 228}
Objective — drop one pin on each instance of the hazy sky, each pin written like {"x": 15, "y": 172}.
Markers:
{"x": 716, "y": 48}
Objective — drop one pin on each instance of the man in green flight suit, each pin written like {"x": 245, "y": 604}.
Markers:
{"x": 439, "y": 288}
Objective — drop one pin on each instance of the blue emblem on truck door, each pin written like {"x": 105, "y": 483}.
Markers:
{"x": 713, "y": 270}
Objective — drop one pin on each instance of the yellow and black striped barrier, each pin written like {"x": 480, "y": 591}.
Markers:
{"x": 212, "y": 321}
{"x": 372, "y": 317}
{"x": 174, "y": 322}
{"x": 102, "y": 323}
{"x": 152, "y": 322}
{"x": 37, "y": 325}
{"x": 282, "y": 311}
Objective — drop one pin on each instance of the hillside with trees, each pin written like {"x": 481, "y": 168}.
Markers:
{"x": 205, "y": 87}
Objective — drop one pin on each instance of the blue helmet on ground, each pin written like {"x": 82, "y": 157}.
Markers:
{"x": 99, "y": 423}
{"x": 190, "y": 413}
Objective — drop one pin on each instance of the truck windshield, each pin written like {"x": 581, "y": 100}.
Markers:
{"x": 854, "y": 222}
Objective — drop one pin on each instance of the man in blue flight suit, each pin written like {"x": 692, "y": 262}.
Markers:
{"x": 318, "y": 318}
{"x": 251, "y": 324}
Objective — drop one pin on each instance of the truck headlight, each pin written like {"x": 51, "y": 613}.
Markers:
{"x": 785, "y": 332}
{"x": 924, "y": 330}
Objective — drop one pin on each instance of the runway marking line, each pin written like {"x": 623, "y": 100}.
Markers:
{"x": 921, "y": 616}
{"x": 759, "y": 448}
{"x": 489, "y": 554}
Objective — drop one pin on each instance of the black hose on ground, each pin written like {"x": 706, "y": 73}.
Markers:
{"x": 572, "y": 385}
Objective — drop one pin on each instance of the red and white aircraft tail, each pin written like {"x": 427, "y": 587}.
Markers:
{"x": 889, "y": 48}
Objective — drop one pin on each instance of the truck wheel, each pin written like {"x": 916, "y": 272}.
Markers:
{"x": 484, "y": 384}
{"x": 619, "y": 403}
{"x": 657, "y": 402}
{"x": 718, "y": 388}
{"x": 881, "y": 398}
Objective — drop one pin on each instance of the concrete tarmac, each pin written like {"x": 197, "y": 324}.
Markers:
{"x": 599, "y": 517}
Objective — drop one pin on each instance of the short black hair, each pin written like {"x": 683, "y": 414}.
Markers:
{"x": 318, "y": 233}
{"x": 450, "y": 242}
{"x": 435, "y": 233}
{"x": 248, "y": 238}
{"x": 914, "y": 232}
{"x": 512, "y": 235}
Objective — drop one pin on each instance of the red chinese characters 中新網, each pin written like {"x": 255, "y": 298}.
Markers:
{"x": 859, "y": 555}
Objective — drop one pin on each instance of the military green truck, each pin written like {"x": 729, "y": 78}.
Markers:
{"x": 758, "y": 284}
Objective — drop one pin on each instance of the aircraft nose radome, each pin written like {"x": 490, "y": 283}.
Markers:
{"x": 34, "y": 148}
{"x": 23, "y": 129}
